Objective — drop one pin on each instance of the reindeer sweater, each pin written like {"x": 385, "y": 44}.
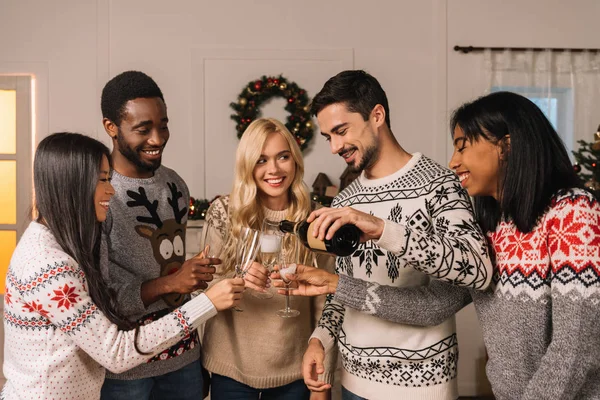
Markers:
{"x": 145, "y": 235}
{"x": 57, "y": 343}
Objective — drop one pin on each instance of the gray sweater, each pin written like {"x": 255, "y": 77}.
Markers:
{"x": 145, "y": 238}
{"x": 540, "y": 321}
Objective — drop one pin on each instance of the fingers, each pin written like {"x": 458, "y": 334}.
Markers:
{"x": 198, "y": 261}
{"x": 315, "y": 214}
{"x": 317, "y": 386}
{"x": 258, "y": 271}
{"x": 238, "y": 284}
{"x": 258, "y": 288}
{"x": 292, "y": 292}
{"x": 257, "y": 277}
{"x": 204, "y": 269}
{"x": 312, "y": 366}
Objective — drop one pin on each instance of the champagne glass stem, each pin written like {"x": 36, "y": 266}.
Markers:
{"x": 287, "y": 297}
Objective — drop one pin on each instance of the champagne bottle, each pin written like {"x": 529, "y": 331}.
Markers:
{"x": 343, "y": 243}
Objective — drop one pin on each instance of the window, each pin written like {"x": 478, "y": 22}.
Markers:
{"x": 15, "y": 164}
{"x": 555, "y": 103}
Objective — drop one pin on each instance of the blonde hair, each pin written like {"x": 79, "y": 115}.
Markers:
{"x": 245, "y": 207}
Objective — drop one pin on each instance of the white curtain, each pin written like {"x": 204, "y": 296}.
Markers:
{"x": 564, "y": 84}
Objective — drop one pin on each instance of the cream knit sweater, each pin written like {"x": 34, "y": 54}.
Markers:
{"x": 256, "y": 346}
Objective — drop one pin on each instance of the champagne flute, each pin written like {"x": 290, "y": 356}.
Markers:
{"x": 215, "y": 239}
{"x": 247, "y": 247}
{"x": 270, "y": 247}
{"x": 284, "y": 270}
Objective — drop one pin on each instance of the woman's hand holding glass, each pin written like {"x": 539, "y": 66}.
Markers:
{"x": 270, "y": 250}
{"x": 257, "y": 278}
{"x": 284, "y": 270}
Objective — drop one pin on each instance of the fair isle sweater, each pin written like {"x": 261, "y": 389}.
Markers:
{"x": 144, "y": 235}
{"x": 256, "y": 346}
{"x": 57, "y": 343}
{"x": 429, "y": 231}
{"x": 540, "y": 321}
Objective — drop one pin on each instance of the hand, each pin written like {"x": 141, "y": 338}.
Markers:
{"x": 307, "y": 281}
{"x": 257, "y": 277}
{"x": 328, "y": 220}
{"x": 193, "y": 274}
{"x": 226, "y": 293}
{"x": 312, "y": 366}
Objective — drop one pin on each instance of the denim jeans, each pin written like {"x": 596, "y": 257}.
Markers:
{"x": 348, "y": 395}
{"x": 183, "y": 384}
{"x": 224, "y": 388}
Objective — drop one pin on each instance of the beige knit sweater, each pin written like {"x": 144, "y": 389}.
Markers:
{"x": 256, "y": 346}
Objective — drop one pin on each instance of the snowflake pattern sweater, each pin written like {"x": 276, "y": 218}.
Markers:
{"x": 429, "y": 231}
{"x": 57, "y": 343}
{"x": 541, "y": 320}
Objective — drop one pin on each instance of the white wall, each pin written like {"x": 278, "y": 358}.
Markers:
{"x": 202, "y": 53}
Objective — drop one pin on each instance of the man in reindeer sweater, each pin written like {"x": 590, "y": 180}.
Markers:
{"x": 145, "y": 235}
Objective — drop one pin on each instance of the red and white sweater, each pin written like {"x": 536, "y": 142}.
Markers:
{"x": 57, "y": 343}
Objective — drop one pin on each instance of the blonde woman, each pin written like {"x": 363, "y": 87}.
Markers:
{"x": 255, "y": 352}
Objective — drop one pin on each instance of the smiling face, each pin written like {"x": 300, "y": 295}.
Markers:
{"x": 477, "y": 164}
{"x": 104, "y": 191}
{"x": 141, "y": 137}
{"x": 274, "y": 172}
{"x": 349, "y": 136}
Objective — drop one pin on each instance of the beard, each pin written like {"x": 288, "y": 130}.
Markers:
{"x": 367, "y": 160}
{"x": 133, "y": 155}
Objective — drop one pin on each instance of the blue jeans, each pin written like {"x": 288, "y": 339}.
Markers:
{"x": 224, "y": 388}
{"x": 348, "y": 395}
{"x": 183, "y": 384}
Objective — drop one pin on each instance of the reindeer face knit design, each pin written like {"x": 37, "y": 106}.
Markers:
{"x": 145, "y": 235}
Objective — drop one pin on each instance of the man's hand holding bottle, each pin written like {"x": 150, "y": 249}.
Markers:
{"x": 326, "y": 221}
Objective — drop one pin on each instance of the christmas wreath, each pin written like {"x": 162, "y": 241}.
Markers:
{"x": 247, "y": 107}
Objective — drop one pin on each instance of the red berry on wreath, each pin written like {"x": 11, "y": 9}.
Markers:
{"x": 257, "y": 85}
{"x": 577, "y": 168}
{"x": 291, "y": 100}
{"x": 276, "y": 81}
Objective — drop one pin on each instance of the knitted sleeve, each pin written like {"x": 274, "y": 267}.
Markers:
{"x": 452, "y": 248}
{"x": 58, "y": 293}
{"x": 573, "y": 355}
{"x": 427, "y": 305}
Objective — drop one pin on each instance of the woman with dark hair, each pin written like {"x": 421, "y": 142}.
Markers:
{"x": 62, "y": 328}
{"x": 540, "y": 320}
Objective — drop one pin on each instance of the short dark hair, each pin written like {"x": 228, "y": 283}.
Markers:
{"x": 537, "y": 164}
{"x": 358, "y": 90}
{"x": 126, "y": 86}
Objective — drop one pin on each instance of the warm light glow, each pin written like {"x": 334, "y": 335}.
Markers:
{"x": 8, "y": 192}
{"x": 8, "y": 121}
{"x": 8, "y": 242}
